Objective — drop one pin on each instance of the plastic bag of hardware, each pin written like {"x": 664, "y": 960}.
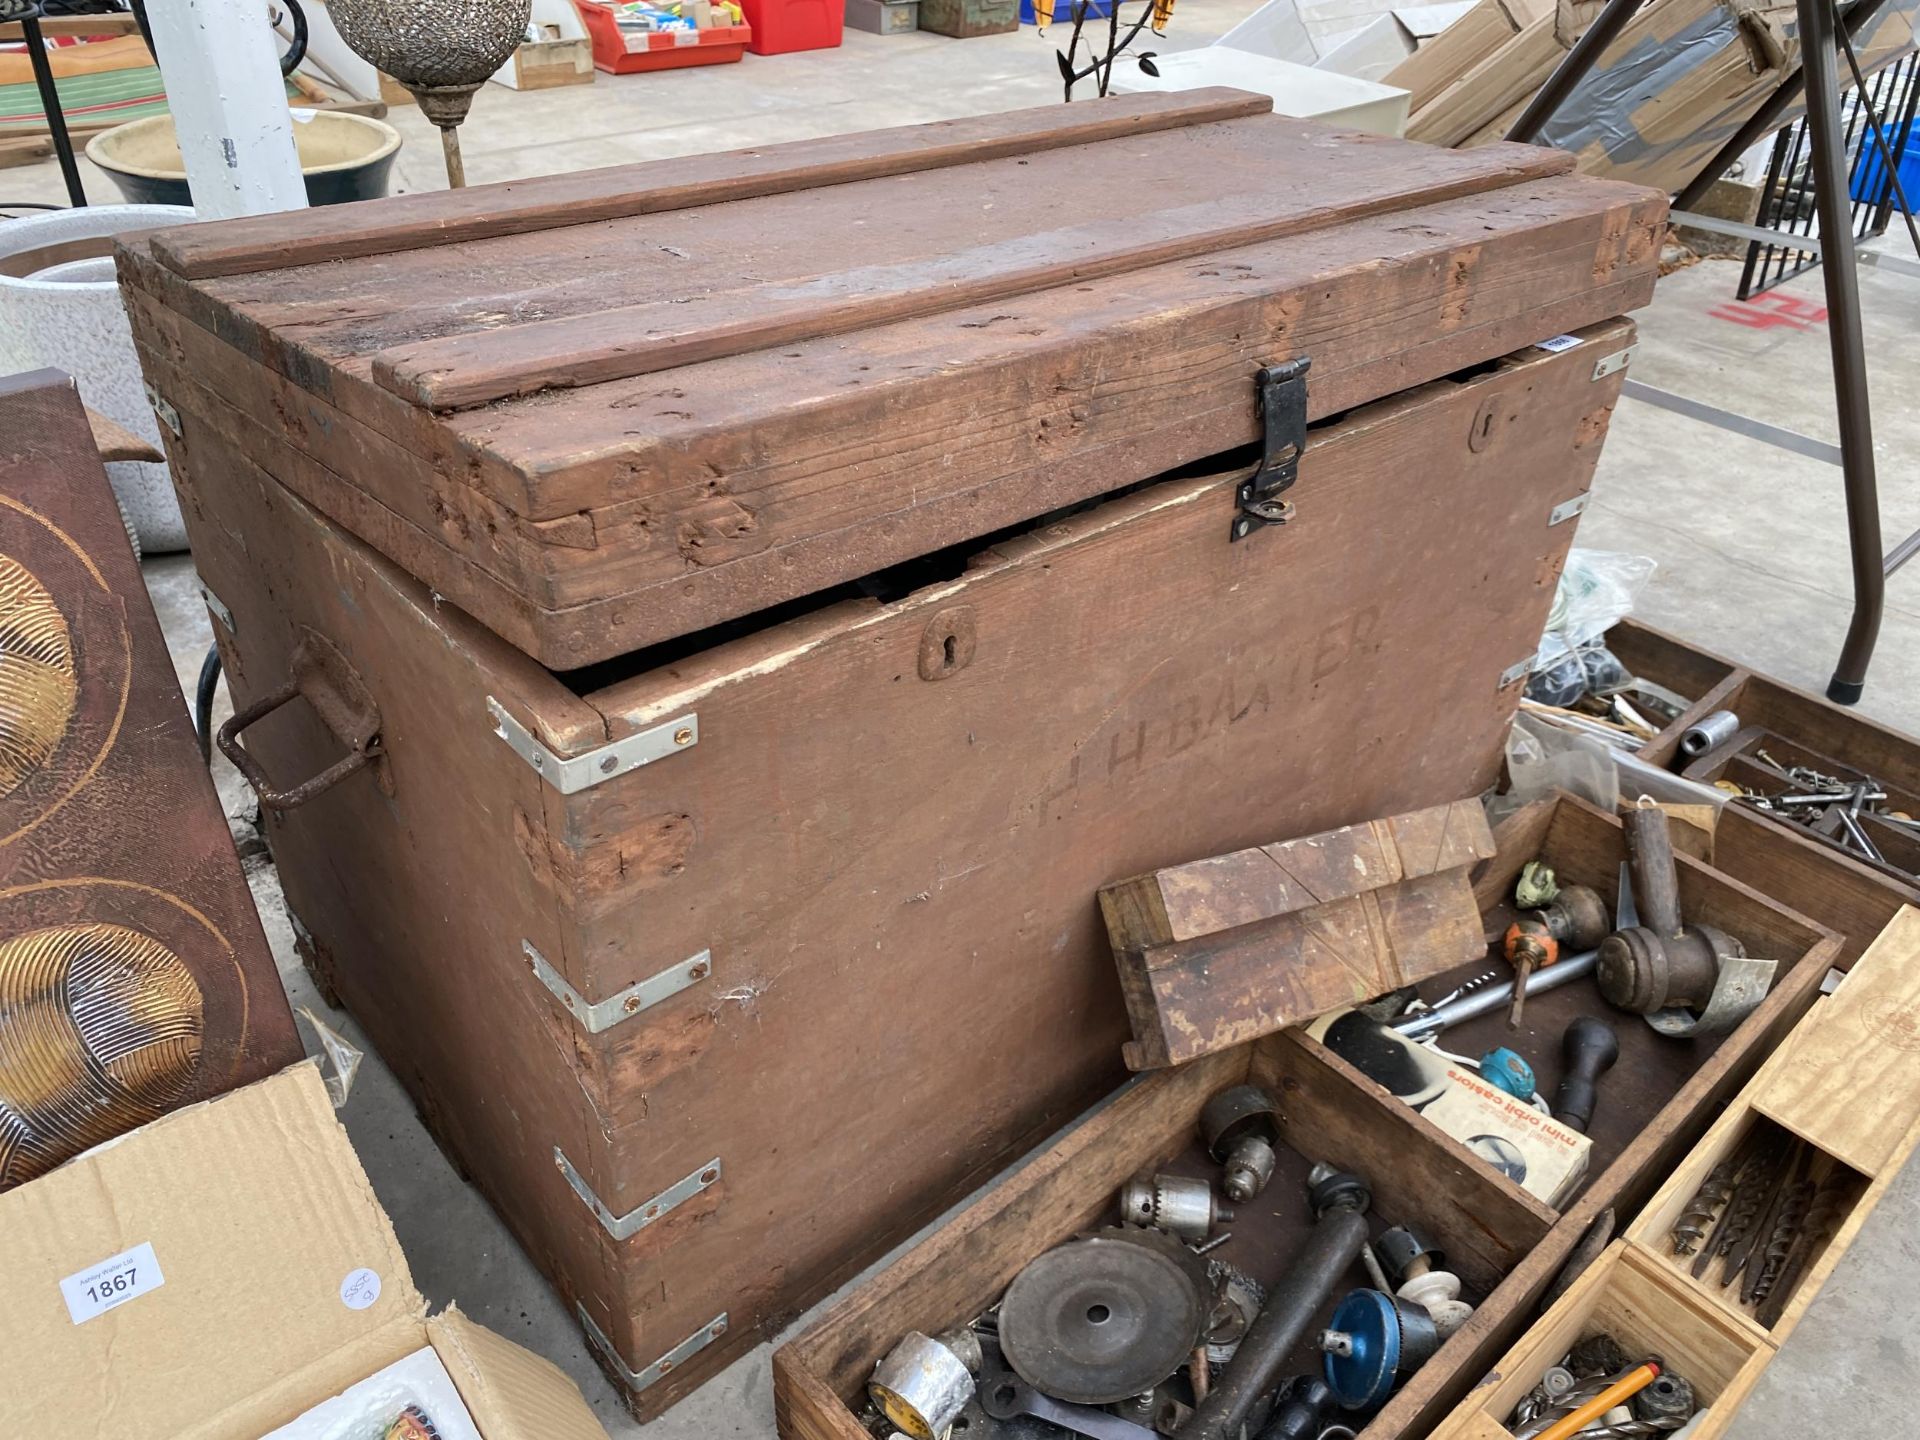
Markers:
{"x": 340, "y": 1056}
{"x": 412, "y": 1399}
{"x": 1543, "y": 757}
{"x": 1597, "y": 589}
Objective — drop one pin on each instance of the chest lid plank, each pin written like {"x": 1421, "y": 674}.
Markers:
{"x": 605, "y": 410}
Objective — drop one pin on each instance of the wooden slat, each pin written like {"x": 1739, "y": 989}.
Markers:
{"x": 1182, "y": 902}
{"x": 1064, "y": 1186}
{"x": 114, "y": 441}
{"x": 1854, "y": 1087}
{"x": 1192, "y": 997}
{"x": 460, "y": 371}
{"x": 482, "y": 212}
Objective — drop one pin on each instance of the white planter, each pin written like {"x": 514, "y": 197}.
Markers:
{"x": 60, "y": 307}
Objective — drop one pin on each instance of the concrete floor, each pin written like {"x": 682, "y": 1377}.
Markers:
{"x": 1750, "y": 541}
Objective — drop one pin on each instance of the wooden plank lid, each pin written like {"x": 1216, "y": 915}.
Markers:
{"x": 608, "y": 409}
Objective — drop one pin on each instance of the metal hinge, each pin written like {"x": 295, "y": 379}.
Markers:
{"x": 1567, "y": 509}
{"x": 637, "y": 1380}
{"x": 1515, "y": 672}
{"x": 643, "y": 995}
{"x": 622, "y": 1227}
{"x": 572, "y": 773}
{"x": 169, "y": 416}
{"x": 1281, "y": 391}
{"x": 1609, "y": 364}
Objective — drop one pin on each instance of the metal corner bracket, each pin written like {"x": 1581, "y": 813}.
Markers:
{"x": 169, "y": 416}
{"x": 571, "y": 773}
{"x": 638, "y": 1380}
{"x": 1515, "y": 673}
{"x": 1567, "y": 509}
{"x": 1611, "y": 364}
{"x": 622, "y": 1227}
{"x": 218, "y": 609}
{"x": 596, "y": 1016}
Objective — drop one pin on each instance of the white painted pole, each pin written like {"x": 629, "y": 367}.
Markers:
{"x": 229, "y": 104}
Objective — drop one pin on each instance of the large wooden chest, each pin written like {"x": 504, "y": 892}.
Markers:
{"x": 724, "y": 961}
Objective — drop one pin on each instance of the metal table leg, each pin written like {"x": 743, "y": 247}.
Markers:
{"x": 50, "y": 103}
{"x": 1818, "y": 59}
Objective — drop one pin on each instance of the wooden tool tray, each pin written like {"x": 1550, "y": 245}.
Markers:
{"x": 1627, "y": 1295}
{"x": 1658, "y": 1081}
{"x": 599, "y": 411}
{"x": 1845, "y": 1081}
{"x": 1068, "y": 1186}
{"x": 1505, "y": 1244}
{"x": 1840, "y": 890}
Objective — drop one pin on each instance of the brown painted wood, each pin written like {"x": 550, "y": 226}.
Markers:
{"x": 1200, "y": 897}
{"x": 516, "y": 207}
{"x": 885, "y": 863}
{"x": 587, "y": 522}
{"x": 1217, "y": 952}
{"x": 462, "y": 370}
{"x": 1192, "y": 997}
{"x": 424, "y": 513}
{"x": 113, "y": 844}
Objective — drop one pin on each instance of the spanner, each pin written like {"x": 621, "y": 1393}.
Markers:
{"x": 1006, "y": 1396}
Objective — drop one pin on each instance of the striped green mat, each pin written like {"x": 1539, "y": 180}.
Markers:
{"x": 91, "y": 101}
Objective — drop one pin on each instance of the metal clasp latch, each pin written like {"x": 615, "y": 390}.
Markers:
{"x": 1282, "y": 394}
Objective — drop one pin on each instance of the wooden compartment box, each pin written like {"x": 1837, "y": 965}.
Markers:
{"x": 1659, "y": 1082}
{"x": 1626, "y": 1295}
{"x": 1506, "y": 1244}
{"x": 1847, "y": 1083}
{"x": 1839, "y": 889}
{"x": 1484, "y": 1225}
{"x": 761, "y": 663}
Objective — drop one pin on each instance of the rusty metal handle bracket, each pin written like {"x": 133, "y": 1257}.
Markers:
{"x": 1281, "y": 391}
{"x": 323, "y": 678}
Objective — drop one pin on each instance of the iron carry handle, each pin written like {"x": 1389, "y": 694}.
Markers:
{"x": 323, "y": 678}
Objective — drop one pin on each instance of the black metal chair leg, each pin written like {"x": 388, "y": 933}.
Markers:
{"x": 50, "y": 102}
{"x": 1819, "y": 59}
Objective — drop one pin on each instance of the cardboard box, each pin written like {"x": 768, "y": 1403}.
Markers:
{"x": 1438, "y": 62}
{"x": 1389, "y": 40}
{"x": 214, "y": 1275}
{"x": 1535, "y": 1151}
{"x": 1297, "y": 90}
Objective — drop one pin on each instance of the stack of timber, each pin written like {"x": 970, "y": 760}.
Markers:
{"x": 1674, "y": 86}
{"x": 770, "y": 658}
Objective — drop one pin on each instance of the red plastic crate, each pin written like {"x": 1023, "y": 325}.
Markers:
{"x": 619, "y": 52}
{"x": 783, "y": 25}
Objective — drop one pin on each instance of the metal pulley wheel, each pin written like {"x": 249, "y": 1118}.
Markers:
{"x": 1102, "y": 1318}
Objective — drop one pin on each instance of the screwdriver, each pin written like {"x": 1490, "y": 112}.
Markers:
{"x": 1529, "y": 946}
